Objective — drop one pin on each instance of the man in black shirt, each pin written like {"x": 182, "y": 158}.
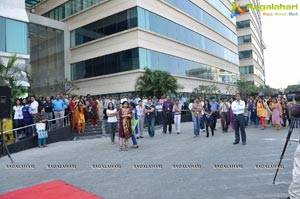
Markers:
{"x": 48, "y": 111}
{"x": 150, "y": 117}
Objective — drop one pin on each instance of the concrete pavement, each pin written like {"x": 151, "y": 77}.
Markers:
{"x": 167, "y": 166}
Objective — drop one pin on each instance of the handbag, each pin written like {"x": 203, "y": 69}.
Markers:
{"x": 134, "y": 123}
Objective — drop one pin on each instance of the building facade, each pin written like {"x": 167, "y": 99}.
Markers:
{"x": 251, "y": 44}
{"x": 38, "y": 42}
{"x": 14, "y": 33}
{"x": 112, "y": 41}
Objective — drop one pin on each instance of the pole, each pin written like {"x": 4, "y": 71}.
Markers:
{"x": 285, "y": 145}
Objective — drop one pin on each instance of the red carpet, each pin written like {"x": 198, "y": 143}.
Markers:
{"x": 51, "y": 190}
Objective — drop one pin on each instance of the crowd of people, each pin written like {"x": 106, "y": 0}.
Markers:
{"x": 130, "y": 114}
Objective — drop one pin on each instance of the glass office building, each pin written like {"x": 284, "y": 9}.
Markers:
{"x": 196, "y": 41}
{"x": 46, "y": 59}
{"x": 251, "y": 45}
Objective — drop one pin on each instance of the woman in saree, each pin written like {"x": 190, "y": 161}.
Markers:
{"x": 125, "y": 131}
{"x": 78, "y": 120}
{"x": 276, "y": 113}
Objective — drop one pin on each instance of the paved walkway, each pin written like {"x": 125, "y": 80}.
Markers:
{"x": 168, "y": 166}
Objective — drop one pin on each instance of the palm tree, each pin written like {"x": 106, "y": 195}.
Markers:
{"x": 14, "y": 76}
{"x": 158, "y": 83}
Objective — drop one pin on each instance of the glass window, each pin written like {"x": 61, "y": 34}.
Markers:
{"x": 2, "y": 35}
{"x": 46, "y": 58}
{"x": 244, "y": 39}
{"x": 107, "y": 64}
{"x": 170, "y": 29}
{"x": 16, "y": 36}
{"x": 104, "y": 27}
{"x": 140, "y": 58}
{"x": 196, "y": 12}
{"x": 222, "y": 8}
{"x": 243, "y": 24}
{"x": 69, "y": 8}
{"x": 246, "y": 70}
{"x": 245, "y": 54}
{"x": 180, "y": 66}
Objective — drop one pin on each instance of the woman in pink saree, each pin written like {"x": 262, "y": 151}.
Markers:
{"x": 276, "y": 113}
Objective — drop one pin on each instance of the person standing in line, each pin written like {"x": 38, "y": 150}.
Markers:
{"x": 93, "y": 112}
{"x": 42, "y": 132}
{"x": 141, "y": 118}
{"x": 34, "y": 107}
{"x": 144, "y": 100}
{"x": 246, "y": 113}
{"x": 183, "y": 102}
{"x": 215, "y": 106}
{"x": 100, "y": 109}
{"x": 261, "y": 112}
{"x": 137, "y": 99}
{"x": 196, "y": 116}
{"x": 18, "y": 115}
{"x": 27, "y": 117}
{"x": 167, "y": 114}
{"x": 117, "y": 102}
{"x": 238, "y": 107}
{"x": 209, "y": 120}
{"x": 59, "y": 110}
{"x": 202, "y": 120}
{"x": 191, "y": 104}
{"x": 249, "y": 102}
{"x": 284, "y": 111}
{"x": 177, "y": 115}
{"x": 78, "y": 120}
{"x": 125, "y": 131}
{"x": 276, "y": 113}
{"x": 254, "y": 117}
{"x": 154, "y": 100}
{"x": 105, "y": 106}
{"x": 48, "y": 112}
{"x": 135, "y": 131}
{"x": 112, "y": 121}
{"x": 149, "y": 112}
{"x": 224, "y": 108}
{"x": 66, "y": 101}
{"x": 159, "y": 112}
{"x": 231, "y": 118}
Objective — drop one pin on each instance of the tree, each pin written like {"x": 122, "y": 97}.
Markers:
{"x": 66, "y": 86}
{"x": 292, "y": 88}
{"x": 268, "y": 91}
{"x": 158, "y": 83}
{"x": 247, "y": 89}
{"x": 230, "y": 90}
{"x": 206, "y": 91}
{"x": 15, "y": 76}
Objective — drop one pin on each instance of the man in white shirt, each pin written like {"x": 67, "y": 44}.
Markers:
{"x": 123, "y": 99}
{"x": 34, "y": 107}
{"x": 224, "y": 108}
{"x": 136, "y": 100}
{"x": 238, "y": 107}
